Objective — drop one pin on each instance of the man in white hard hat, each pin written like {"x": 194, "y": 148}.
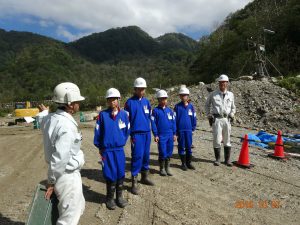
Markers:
{"x": 220, "y": 110}
{"x": 139, "y": 110}
{"x": 111, "y": 133}
{"x": 164, "y": 131}
{"x": 62, "y": 142}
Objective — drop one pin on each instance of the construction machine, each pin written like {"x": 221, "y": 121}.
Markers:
{"x": 24, "y": 109}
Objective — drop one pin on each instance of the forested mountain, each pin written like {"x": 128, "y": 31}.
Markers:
{"x": 127, "y": 42}
{"x": 31, "y": 65}
{"x": 228, "y": 49}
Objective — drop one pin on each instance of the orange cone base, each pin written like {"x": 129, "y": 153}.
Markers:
{"x": 285, "y": 157}
{"x": 244, "y": 166}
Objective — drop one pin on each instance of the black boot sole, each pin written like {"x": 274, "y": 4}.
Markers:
{"x": 122, "y": 205}
{"x": 191, "y": 167}
{"x": 184, "y": 168}
{"x": 216, "y": 164}
{"x": 148, "y": 183}
{"x": 135, "y": 191}
{"x": 111, "y": 207}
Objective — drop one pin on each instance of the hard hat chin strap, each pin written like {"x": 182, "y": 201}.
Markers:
{"x": 69, "y": 98}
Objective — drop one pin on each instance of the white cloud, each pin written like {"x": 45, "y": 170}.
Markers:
{"x": 62, "y": 31}
{"x": 45, "y": 23}
{"x": 154, "y": 16}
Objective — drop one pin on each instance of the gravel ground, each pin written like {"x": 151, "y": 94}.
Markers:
{"x": 269, "y": 193}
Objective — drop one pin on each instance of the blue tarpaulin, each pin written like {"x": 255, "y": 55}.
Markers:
{"x": 262, "y": 139}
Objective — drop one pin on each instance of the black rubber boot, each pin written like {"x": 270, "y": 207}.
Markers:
{"x": 145, "y": 178}
{"x": 183, "y": 162}
{"x": 189, "y": 161}
{"x": 110, "y": 193}
{"x": 227, "y": 151}
{"x": 167, "y": 166}
{"x": 121, "y": 202}
{"x": 134, "y": 187}
{"x": 162, "y": 170}
{"x": 218, "y": 156}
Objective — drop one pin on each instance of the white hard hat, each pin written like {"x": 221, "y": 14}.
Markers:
{"x": 183, "y": 90}
{"x": 112, "y": 93}
{"x": 161, "y": 94}
{"x": 223, "y": 77}
{"x": 140, "y": 83}
{"x": 66, "y": 93}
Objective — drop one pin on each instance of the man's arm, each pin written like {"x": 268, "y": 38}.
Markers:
{"x": 233, "y": 108}
{"x": 194, "y": 118}
{"x": 127, "y": 128}
{"x": 97, "y": 131}
{"x": 153, "y": 126}
{"x": 44, "y": 112}
{"x": 208, "y": 104}
{"x": 61, "y": 156}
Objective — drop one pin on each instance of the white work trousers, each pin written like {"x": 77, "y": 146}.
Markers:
{"x": 221, "y": 131}
{"x": 68, "y": 190}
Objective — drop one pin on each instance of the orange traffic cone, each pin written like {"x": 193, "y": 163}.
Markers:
{"x": 244, "y": 159}
{"x": 278, "y": 149}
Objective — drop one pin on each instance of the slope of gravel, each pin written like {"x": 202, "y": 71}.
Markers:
{"x": 260, "y": 104}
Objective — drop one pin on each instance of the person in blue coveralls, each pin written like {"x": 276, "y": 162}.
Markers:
{"x": 139, "y": 110}
{"x": 164, "y": 131}
{"x": 186, "y": 122}
{"x": 111, "y": 133}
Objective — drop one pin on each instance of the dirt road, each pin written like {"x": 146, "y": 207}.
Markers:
{"x": 267, "y": 194}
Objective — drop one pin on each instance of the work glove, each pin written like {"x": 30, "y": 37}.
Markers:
{"x": 211, "y": 120}
{"x": 231, "y": 118}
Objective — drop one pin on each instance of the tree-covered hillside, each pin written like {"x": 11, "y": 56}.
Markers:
{"x": 31, "y": 65}
{"x": 227, "y": 49}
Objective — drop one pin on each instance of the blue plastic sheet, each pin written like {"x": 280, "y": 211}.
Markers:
{"x": 262, "y": 139}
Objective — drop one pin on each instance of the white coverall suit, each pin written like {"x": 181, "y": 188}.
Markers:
{"x": 221, "y": 106}
{"x": 62, "y": 142}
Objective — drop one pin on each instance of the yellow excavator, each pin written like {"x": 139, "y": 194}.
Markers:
{"x": 24, "y": 109}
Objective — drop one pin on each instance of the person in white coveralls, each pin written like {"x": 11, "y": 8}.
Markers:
{"x": 62, "y": 141}
{"x": 220, "y": 110}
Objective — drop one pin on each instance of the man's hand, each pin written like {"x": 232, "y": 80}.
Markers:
{"x": 174, "y": 138}
{"x": 210, "y": 120}
{"x": 50, "y": 189}
{"x": 132, "y": 140}
{"x": 156, "y": 139}
{"x": 42, "y": 107}
{"x": 101, "y": 152}
{"x": 231, "y": 118}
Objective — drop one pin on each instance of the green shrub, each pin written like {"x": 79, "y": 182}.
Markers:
{"x": 4, "y": 112}
{"x": 292, "y": 84}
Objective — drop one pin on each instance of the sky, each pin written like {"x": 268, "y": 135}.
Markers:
{"x": 69, "y": 20}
